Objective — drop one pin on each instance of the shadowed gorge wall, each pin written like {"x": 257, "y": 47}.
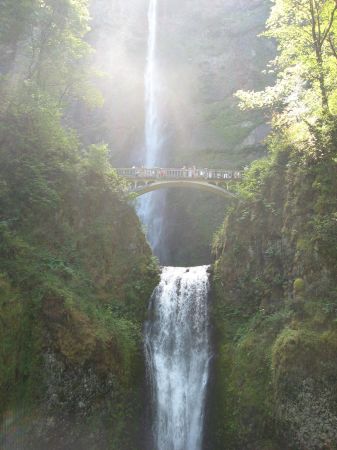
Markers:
{"x": 274, "y": 305}
{"x": 74, "y": 290}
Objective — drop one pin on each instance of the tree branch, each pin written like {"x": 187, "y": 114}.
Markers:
{"x": 332, "y": 16}
{"x": 332, "y": 46}
{"x": 313, "y": 23}
{"x": 318, "y": 13}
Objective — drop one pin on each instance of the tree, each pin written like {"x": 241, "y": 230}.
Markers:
{"x": 306, "y": 63}
{"x": 47, "y": 42}
{"x": 38, "y": 152}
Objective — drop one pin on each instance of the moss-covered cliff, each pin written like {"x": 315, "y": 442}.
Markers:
{"x": 76, "y": 272}
{"x": 275, "y": 302}
{"x": 76, "y": 276}
{"x": 75, "y": 283}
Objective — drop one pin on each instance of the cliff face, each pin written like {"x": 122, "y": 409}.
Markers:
{"x": 76, "y": 275}
{"x": 206, "y": 52}
{"x": 274, "y": 305}
{"x": 72, "y": 371}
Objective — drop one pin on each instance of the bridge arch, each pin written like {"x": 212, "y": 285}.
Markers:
{"x": 212, "y": 188}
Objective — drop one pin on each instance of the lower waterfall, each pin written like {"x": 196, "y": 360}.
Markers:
{"x": 177, "y": 353}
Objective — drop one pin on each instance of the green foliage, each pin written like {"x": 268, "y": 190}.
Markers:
{"x": 242, "y": 397}
{"x": 254, "y": 178}
{"x": 43, "y": 36}
{"x": 293, "y": 350}
{"x": 305, "y": 32}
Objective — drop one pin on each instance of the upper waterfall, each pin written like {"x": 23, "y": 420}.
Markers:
{"x": 152, "y": 130}
{"x": 149, "y": 206}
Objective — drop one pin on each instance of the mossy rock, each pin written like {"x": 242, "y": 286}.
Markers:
{"x": 299, "y": 286}
{"x": 295, "y": 355}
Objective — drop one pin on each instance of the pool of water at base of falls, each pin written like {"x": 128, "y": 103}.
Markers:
{"x": 177, "y": 355}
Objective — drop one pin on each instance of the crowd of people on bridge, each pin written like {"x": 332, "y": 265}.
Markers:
{"x": 184, "y": 172}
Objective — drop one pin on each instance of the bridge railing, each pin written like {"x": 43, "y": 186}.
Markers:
{"x": 178, "y": 174}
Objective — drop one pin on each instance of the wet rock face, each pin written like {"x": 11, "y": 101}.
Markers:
{"x": 81, "y": 408}
{"x": 73, "y": 389}
{"x": 310, "y": 415}
{"x": 304, "y": 383}
{"x": 75, "y": 410}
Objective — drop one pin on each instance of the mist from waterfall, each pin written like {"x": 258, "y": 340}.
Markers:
{"x": 151, "y": 206}
{"x": 177, "y": 354}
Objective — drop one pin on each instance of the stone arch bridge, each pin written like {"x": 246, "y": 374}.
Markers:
{"x": 144, "y": 180}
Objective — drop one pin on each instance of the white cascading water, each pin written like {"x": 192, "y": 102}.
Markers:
{"x": 151, "y": 205}
{"x": 178, "y": 353}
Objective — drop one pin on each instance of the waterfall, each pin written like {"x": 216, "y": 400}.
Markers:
{"x": 176, "y": 337}
{"x": 177, "y": 354}
{"x": 151, "y": 206}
